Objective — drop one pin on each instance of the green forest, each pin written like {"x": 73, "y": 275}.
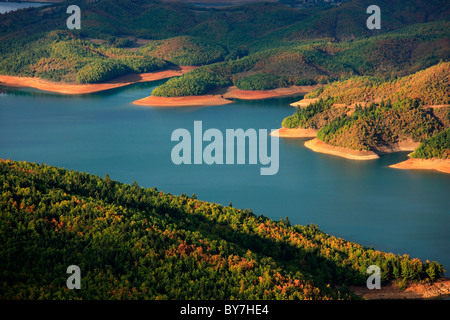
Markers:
{"x": 186, "y": 51}
{"x": 437, "y": 146}
{"x": 132, "y": 242}
{"x": 346, "y": 115}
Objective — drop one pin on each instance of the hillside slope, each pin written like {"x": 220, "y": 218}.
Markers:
{"x": 136, "y": 243}
{"x": 431, "y": 86}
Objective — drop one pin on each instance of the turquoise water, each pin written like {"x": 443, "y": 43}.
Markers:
{"x": 12, "y": 6}
{"x": 364, "y": 201}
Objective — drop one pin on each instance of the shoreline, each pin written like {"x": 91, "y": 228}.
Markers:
{"x": 440, "y": 165}
{"x": 322, "y": 147}
{"x": 68, "y": 88}
{"x": 185, "y": 101}
{"x": 319, "y": 146}
{"x": 294, "y": 133}
{"x": 304, "y": 102}
{"x": 439, "y": 288}
{"x": 234, "y": 92}
{"x": 221, "y": 96}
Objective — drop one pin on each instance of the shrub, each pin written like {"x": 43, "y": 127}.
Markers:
{"x": 99, "y": 71}
{"x": 261, "y": 81}
{"x": 437, "y": 146}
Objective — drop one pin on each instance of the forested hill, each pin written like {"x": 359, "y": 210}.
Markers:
{"x": 368, "y": 113}
{"x": 431, "y": 86}
{"x": 255, "y": 46}
{"x": 137, "y": 243}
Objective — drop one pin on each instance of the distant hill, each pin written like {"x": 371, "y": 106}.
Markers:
{"x": 316, "y": 44}
{"x": 390, "y": 55}
{"x": 348, "y": 20}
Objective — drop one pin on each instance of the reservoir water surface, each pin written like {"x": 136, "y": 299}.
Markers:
{"x": 363, "y": 201}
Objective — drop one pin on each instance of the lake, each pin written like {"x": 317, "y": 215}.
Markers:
{"x": 12, "y": 6}
{"x": 363, "y": 201}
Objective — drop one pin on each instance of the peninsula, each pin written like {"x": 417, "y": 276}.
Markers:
{"x": 71, "y": 88}
{"x": 364, "y": 118}
{"x": 222, "y": 96}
